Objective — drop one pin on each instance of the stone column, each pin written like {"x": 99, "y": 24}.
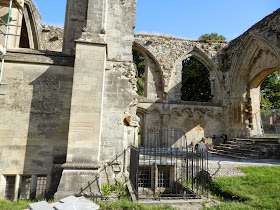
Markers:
{"x": 81, "y": 170}
{"x": 83, "y": 154}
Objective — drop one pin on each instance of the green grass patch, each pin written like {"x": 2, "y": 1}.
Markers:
{"x": 129, "y": 205}
{"x": 18, "y": 205}
{"x": 123, "y": 204}
{"x": 258, "y": 189}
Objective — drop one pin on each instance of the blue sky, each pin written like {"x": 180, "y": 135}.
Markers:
{"x": 183, "y": 18}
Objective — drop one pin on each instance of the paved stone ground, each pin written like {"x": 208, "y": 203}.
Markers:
{"x": 221, "y": 167}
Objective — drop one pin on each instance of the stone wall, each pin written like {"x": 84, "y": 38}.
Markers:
{"x": 79, "y": 109}
{"x": 169, "y": 52}
{"x": 162, "y": 105}
{"x": 52, "y": 38}
{"x": 35, "y": 112}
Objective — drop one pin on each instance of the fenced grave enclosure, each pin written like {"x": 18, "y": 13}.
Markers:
{"x": 164, "y": 167}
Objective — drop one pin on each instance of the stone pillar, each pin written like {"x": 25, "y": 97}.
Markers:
{"x": 33, "y": 187}
{"x": 17, "y": 183}
{"x": 75, "y": 21}
{"x": 81, "y": 170}
{"x": 83, "y": 154}
{"x": 98, "y": 38}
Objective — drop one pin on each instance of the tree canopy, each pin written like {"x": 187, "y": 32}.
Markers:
{"x": 196, "y": 84}
{"x": 270, "y": 92}
{"x": 213, "y": 37}
{"x": 139, "y": 65}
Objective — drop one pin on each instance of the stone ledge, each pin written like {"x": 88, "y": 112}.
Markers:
{"x": 81, "y": 166}
{"x": 39, "y": 57}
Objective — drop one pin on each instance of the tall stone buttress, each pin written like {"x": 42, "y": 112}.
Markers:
{"x": 100, "y": 34}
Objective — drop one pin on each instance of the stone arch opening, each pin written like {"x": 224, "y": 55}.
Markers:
{"x": 142, "y": 116}
{"x": 175, "y": 86}
{"x": 29, "y": 37}
{"x": 24, "y": 39}
{"x": 140, "y": 68}
{"x": 256, "y": 92}
{"x": 148, "y": 74}
{"x": 196, "y": 83}
{"x": 258, "y": 60}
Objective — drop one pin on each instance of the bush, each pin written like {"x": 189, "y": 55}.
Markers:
{"x": 119, "y": 189}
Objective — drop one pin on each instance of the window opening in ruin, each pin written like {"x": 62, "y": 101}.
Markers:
{"x": 33, "y": 30}
{"x": 163, "y": 176}
{"x": 41, "y": 187}
{"x": 25, "y": 187}
{"x": 24, "y": 40}
{"x": 144, "y": 177}
{"x": 10, "y": 187}
{"x": 139, "y": 65}
{"x": 196, "y": 85}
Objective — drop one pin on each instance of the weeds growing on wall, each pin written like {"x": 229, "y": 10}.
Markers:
{"x": 119, "y": 189}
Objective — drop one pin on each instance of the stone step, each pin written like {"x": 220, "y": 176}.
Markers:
{"x": 229, "y": 156}
{"x": 241, "y": 148}
{"x": 245, "y": 154}
{"x": 257, "y": 141}
{"x": 240, "y": 156}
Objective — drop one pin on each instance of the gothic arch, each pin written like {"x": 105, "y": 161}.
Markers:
{"x": 32, "y": 22}
{"x": 155, "y": 108}
{"x": 258, "y": 59}
{"x": 156, "y": 71}
{"x": 252, "y": 65}
{"x": 212, "y": 67}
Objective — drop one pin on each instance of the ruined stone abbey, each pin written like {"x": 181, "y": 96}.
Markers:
{"x": 68, "y": 118}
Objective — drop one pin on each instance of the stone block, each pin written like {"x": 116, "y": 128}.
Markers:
{"x": 68, "y": 199}
{"x": 78, "y": 204}
{"x": 43, "y": 205}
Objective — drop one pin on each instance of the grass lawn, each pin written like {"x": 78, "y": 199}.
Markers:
{"x": 9, "y": 205}
{"x": 129, "y": 205}
{"x": 117, "y": 205}
{"x": 258, "y": 189}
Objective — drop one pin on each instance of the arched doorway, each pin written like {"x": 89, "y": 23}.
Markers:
{"x": 257, "y": 61}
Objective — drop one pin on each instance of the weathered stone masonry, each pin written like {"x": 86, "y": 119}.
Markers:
{"x": 68, "y": 118}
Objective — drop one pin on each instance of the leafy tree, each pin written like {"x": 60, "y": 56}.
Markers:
{"x": 212, "y": 36}
{"x": 270, "y": 92}
{"x": 196, "y": 84}
{"x": 139, "y": 65}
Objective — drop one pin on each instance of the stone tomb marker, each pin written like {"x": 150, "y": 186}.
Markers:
{"x": 43, "y": 205}
{"x": 69, "y": 203}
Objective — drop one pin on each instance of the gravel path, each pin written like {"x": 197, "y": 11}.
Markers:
{"x": 221, "y": 167}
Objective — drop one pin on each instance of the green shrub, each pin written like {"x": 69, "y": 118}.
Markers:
{"x": 119, "y": 189}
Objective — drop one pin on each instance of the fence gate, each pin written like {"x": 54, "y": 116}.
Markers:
{"x": 134, "y": 162}
{"x": 167, "y": 168}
